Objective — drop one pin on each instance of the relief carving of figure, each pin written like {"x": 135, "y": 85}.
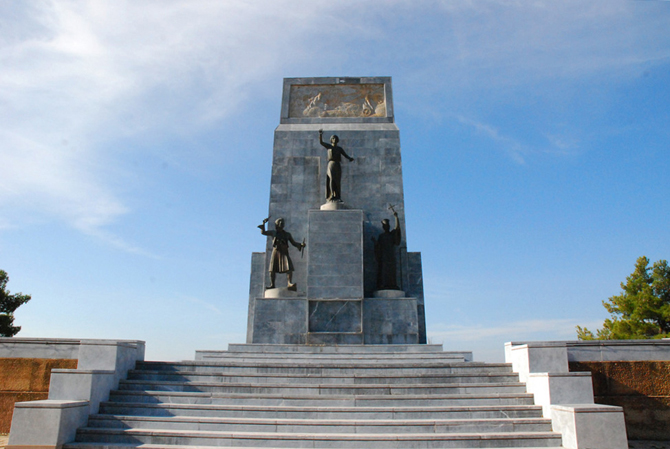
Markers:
{"x": 385, "y": 254}
{"x": 280, "y": 261}
{"x": 334, "y": 171}
{"x": 314, "y": 109}
{"x": 329, "y": 104}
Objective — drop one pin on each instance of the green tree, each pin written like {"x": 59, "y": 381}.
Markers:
{"x": 8, "y": 304}
{"x": 642, "y": 310}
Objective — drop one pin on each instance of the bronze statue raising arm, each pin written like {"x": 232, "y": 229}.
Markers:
{"x": 333, "y": 145}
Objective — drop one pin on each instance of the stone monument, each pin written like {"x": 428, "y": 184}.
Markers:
{"x": 339, "y": 298}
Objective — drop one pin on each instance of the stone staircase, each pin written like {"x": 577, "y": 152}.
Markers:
{"x": 285, "y": 396}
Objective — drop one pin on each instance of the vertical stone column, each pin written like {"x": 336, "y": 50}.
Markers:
{"x": 335, "y": 268}
{"x": 335, "y": 277}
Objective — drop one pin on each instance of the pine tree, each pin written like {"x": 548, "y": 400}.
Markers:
{"x": 8, "y": 304}
{"x": 642, "y": 310}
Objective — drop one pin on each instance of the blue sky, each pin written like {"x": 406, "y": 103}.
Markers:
{"x": 136, "y": 144}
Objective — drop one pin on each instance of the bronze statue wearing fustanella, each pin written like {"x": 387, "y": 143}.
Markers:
{"x": 280, "y": 261}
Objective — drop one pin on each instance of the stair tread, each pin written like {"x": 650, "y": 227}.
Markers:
{"x": 329, "y": 408}
{"x": 323, "y": 436}
{"x": 332, "y": 396}
{"x": 308, "y": 421}
{"x": 319, "y": 362}
{"x": 412, "y": 399}
{"x": 334, "y": 376}
{"x": 326, "y": 385}
{"x": 85, "y": 445}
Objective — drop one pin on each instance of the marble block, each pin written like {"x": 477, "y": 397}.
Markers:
{"x": 280, "y": 320}
{"x": 390, "y": 321}
{"x": 335, "y": 269}
{"x": 334, "y": 316}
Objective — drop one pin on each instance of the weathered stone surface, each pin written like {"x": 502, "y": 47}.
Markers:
{"x": 336, "y": 254}
{"x": 335, "y": 316}
{"x": 336, "y": 338}
{"x": 280, "y": 321}
{"x": 390, "y": 321}
{"x": 256, "y": 288}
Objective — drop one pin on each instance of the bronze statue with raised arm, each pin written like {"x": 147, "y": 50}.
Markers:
{"x": 385, "y": 254}
{"x": 334, "y": 171}
{"x": 280, "y": 261}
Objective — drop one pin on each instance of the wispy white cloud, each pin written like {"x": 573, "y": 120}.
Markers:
{"x": 521, "y": 41}
{"x": 514, "y": 148}
{"x": 80, "y": 75}
{"x": 203, "y": 304}
{"x": 540, "y": 329}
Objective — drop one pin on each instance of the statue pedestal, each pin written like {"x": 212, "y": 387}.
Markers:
{"x": 388, "y": 294}
{"x": 333, "y": 205}
{"x": 282, "y": 292}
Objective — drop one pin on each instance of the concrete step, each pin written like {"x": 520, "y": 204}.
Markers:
{"x": 271, "y": 378}
{"x": 323, "y": 389}
{"x": 312, "y": 440}
{"x": 288, "y": 396}
{"x": 329, "y": 367}
{"x": 164, "y": 446}
{"x": 271, "y": 400}
{"x": 330, "y": 349}
{"x": 295, "y": 412}
{"x": 351, "y": 357}
{"x": 334, "y": 426}
{"x": 80, "y": 445}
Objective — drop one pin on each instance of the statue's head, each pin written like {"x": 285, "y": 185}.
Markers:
{"x": 385, "y": 225}
{"x": 279, "y": 223}
{"x": 334, "y": 139}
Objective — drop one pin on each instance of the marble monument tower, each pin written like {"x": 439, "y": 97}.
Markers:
{"x": 337, "y": 188}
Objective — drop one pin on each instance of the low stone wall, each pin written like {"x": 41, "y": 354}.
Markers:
{"x": 25, "y": 379}
{"x": 642, "y": 388}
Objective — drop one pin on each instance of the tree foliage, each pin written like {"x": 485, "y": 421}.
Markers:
{"x": 8, "y": 304}
{"x": 642, "y": 310}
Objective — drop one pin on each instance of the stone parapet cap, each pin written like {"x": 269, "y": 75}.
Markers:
{"x": 127, "y": 343}
{"x": 578, "y": 343}
{"x": 570, "y": 374}
{"x": 535, "y": 344}
{"x": 65, "y": 341}
{"x": 44, "y": 341}
{"x": 83, "y": 371}
{"x": 51, "y": 403}
{"x": 587, "y": 408}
